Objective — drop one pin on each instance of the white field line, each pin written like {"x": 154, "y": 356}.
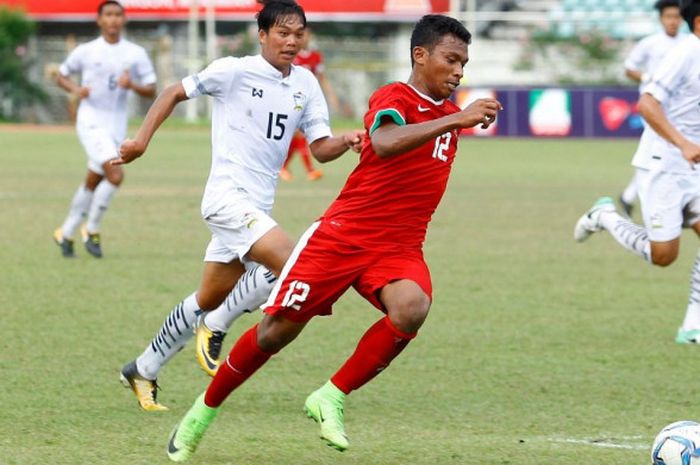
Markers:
{"x": 603, "y": 443}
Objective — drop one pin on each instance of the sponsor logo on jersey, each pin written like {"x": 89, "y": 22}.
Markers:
{"x": 299, "y": 100}
{"x": 422, "y": 109}
{"x": 257, "y": 92}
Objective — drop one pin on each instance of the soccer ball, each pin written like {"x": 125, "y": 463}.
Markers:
{"x": 677, "y": 444}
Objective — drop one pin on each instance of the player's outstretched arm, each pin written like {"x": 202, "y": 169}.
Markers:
{"x": 329, "y": 148}
{"x": 131, "y": 149}
{"x": 653, "y": 113}
{"x": 391, "y": 139}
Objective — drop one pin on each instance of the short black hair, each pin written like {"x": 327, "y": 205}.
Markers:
{"x": 430, "y": 30}
{"x": 661, "y": 5}
{"x": 108, "y": 2}
{"x": 690, "y": 9}
{"x": 276, "y": 11}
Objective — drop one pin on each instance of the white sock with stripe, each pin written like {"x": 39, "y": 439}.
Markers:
{"x": 78, "y": 210}
{"x": 176, "y": 330}
{"x": 103, "y": 197}
{"x": 629, "y": 235}
{"x": 692, "y": 314}
{"x": 251, "y": 291}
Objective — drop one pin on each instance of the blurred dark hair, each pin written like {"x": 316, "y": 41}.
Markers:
{"x": 661, "y": 5}
{"x": 102, "y": 6}
{"x": 690, "y": 9}
{"x": 276, "y": 11}
{"x": 430, "y": 30}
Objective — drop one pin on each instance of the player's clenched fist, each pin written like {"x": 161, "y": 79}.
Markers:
{"x": 691, "y": 152}
{"x": 129, "y": 151}
{"x": 482, "y": 111}
{"x": 354, "y": 140}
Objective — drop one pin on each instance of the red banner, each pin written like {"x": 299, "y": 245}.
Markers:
{"x": 85, "y": 10}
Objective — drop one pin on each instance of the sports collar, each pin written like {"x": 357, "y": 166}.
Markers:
{"x": 426, "y": 97}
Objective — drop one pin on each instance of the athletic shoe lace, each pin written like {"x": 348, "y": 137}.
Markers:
{"x": 215, "y": 342}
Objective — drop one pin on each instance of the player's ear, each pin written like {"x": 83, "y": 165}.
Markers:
{"x": 420, "y": 54}
{"x": 262, "y": 36}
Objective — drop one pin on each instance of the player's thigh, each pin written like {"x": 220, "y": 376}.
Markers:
{"x": 319, "y": 270}
{"x": 398, "y": 284}
{"x": 99, "y": 146}
{"x": 662, "y": 200}
{"x": 236, "y": 226}
{"x": 272, "y": 250}
{"x": 218, "y": 280}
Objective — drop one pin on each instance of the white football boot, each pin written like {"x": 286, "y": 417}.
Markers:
{"x": 589, "y": 223}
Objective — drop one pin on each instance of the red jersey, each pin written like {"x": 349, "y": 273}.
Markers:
{"x": 311, "y": 60}
{"x": 388, "y": 203}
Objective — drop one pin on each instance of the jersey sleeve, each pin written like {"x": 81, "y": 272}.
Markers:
{"x": 638, "y": 57}
{"x": 214, "y": 80}
{"x": 145, "y": 73}
{"x": 669, "y": 75}
{"x": 73, "y": 64}
{"x": 385, "y": 105}
{"x": 315, "y": 121}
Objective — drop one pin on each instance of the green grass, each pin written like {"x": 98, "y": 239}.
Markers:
{"x": 533, "y": 340}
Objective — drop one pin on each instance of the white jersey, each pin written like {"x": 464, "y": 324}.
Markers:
{"x": 676, "y": 85}
{"x": 256, "y": 111}
{"x": 646, "y": 55}
{"x": 100, "y": 64}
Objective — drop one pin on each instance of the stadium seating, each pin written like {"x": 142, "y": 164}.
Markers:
{"x": 621, "y": 19}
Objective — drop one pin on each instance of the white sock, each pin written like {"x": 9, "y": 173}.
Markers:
{"x": 251, "y": 291}
{"x": 630, "y": 235}
{"x": 176, "y": 330}
{"x": 103, "y": 196}
{"x": 78, "y": 209}
{"x": 692, "y": 315}
{"x": 629, "y": 195}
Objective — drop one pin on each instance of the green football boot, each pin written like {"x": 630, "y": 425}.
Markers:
{"x": 325, "y": 407}
{"x": 189, "y": 432}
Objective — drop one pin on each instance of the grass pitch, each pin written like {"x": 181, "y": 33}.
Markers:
{"x": 538, "y": 350}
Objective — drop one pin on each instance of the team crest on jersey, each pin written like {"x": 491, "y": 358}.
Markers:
{"x": 299, "y": 100}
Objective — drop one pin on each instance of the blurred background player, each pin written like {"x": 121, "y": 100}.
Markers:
{"x": 258, "y": 103}
{"x": 641, "y": 63}
{"x": 311, "y": 59}
{"x": 370, "y": 238}
{"x": 109, "y": 67}
{"x": 667, "y": 174}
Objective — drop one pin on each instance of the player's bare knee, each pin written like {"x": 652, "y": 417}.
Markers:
{"x": 274, "y": 334}
{"x": 663, "y": 256}
{"x": 409, "y": 312}
{"x": 663, "y": 259}
{"x": 115, "y": 178}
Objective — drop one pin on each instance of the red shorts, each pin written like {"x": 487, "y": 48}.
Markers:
{"x": 322, "y": 267}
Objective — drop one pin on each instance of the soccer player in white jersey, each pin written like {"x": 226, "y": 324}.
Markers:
{"x": 668, "y": 173}
{"x": 643, "y": 61}
{"x": 259, "y": 101}
{"x": 110, "y": 66}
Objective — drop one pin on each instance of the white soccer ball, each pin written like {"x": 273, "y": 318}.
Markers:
{"x": 677, "y": 444}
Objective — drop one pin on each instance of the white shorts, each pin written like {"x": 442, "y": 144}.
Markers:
{"x": 235, "y": 226}
{"x": 669, "y": 201}
{"x": 99, "y": 146}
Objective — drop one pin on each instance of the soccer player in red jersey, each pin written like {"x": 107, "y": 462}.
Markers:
{"x": 370, "y": 238}
{"x": 312, "y": 60}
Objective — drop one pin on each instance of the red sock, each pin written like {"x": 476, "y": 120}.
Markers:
{"x": 306, "y": 157}
{"x": 243, "y": 360}
{"x": 378, "y": 347}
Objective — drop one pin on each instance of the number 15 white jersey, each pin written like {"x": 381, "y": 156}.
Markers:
{"x": 256, "y": 111}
